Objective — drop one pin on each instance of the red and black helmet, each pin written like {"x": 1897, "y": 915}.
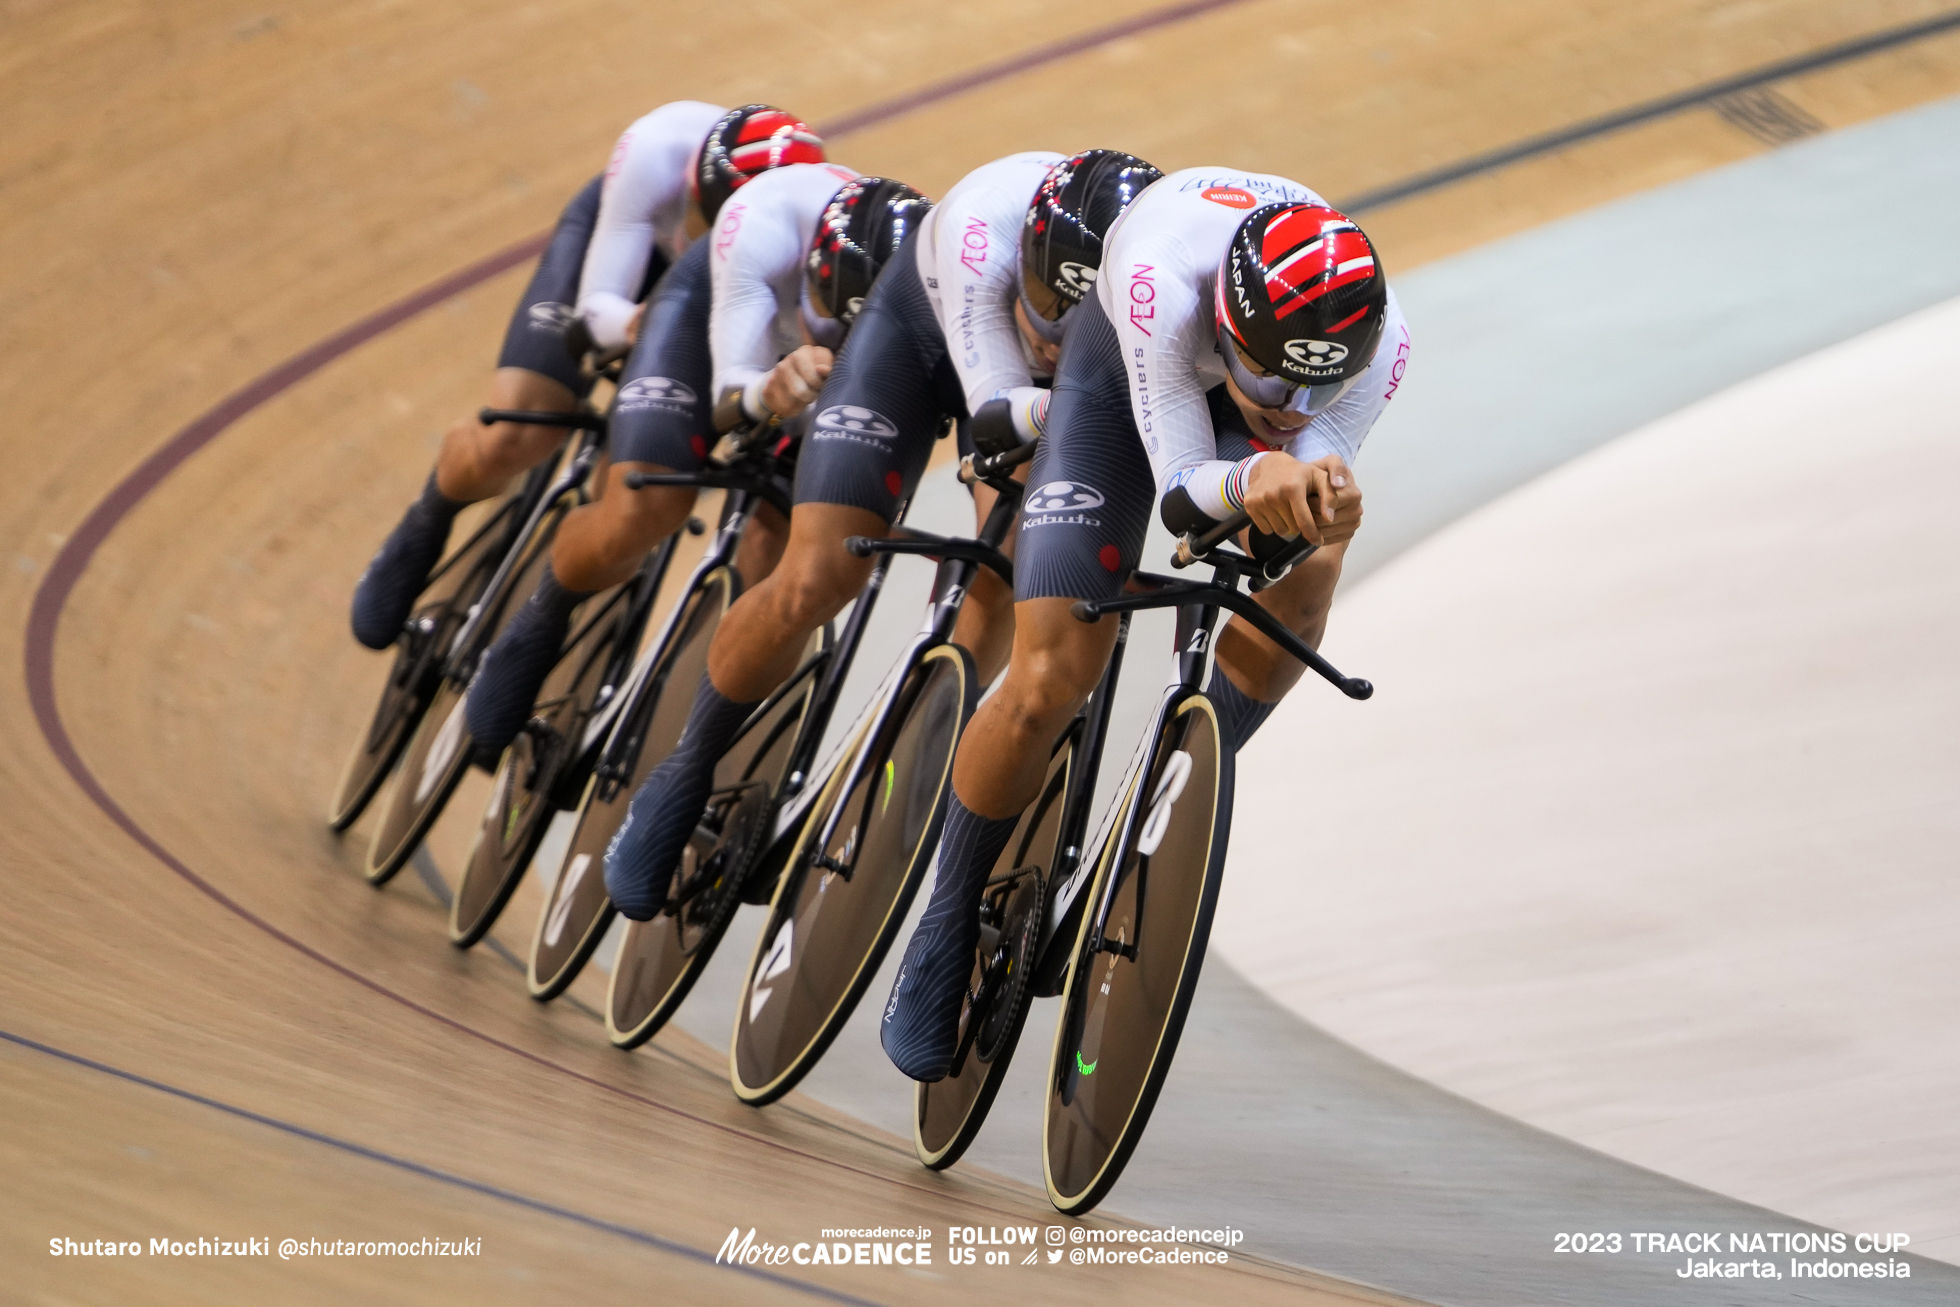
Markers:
{"x": 861, "y": 228}
{"x": 743, "y": 144}
{"x": 1062, "y": 236}
{"x": 1302, "y": 295}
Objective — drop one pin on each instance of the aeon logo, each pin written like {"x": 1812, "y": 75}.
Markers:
{"x": 657, "y": 392}
{"x": 850, "y": 420}
{"x": 1079, "y": 278}
{"x": 1315, "y": 353}
{"x": 1062, "y": 497}
{"x": 551, "y": 316}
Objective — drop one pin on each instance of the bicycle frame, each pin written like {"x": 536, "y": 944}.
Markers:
{"x": 591, "y": 428}
{"x": 959, "y": 562}
{"x": 1198, "y": 605}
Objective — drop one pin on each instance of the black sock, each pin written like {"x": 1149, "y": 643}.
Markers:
{"x": 1239, "y": 714}
{"x": 553, "y": 600}
{"x": 644, "y": 851}
{"x": 434, "y": 506}
{"x": 921, "y": 1024}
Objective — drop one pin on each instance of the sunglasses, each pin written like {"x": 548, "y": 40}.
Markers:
{"x": 1271, "y": 392}
{"x": 1049, "y": 329}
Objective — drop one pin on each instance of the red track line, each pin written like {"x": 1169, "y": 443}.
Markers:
{"x": 58, "y": 585}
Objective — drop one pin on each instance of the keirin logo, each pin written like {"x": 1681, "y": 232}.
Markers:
{"x": 549, "y": 315}
{"x": 847, "y": 420}
{"x": 1315, "y": 353}
{"x": 1062, "y": 497}
{"x": 1078, "y": 278}
{"x": 661, "y": 392}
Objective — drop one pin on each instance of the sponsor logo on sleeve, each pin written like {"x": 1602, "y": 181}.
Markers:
{"x": 858, "y": 425}
{"x": 657, "y": 392}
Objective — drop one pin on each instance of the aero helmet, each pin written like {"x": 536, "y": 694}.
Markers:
{"x": 743, "y": 144}
{"x": 1300, "y": 295}
{"x": 862, "y": 227}
{"x": 1062, "y": 237}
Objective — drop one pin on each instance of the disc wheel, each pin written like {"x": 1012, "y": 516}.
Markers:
{"x": 439, "y": 752}
{"x": 659, "y": 960}
{"x": 531, "y": 771}
{"x": 948, "y": 1113}
{"x": 576, "y": 910}
{"x": 415, "y": 672}
{"x": 840, "y": 902}
{"x": 1123, "y": 1006}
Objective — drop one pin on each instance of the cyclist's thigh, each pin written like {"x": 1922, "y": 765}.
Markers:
{"x": 664, "y": 414}
{"x": 535, "y": 339}
{"x": 1090, "y": 489}
{"x": 891, "y": 390}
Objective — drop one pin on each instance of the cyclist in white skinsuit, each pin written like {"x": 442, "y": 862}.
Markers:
{"x": 941, "y": 334}
{"x": 644, "y": 216}
{"x": 1151, "y": 413}
{"x": 610, "y": 246}
{"x": 661, "y": 418}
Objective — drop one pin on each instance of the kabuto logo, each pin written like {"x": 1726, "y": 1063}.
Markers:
{"x": 1062, "y": 497}
{"x": 850, "y": 422}
{"x": 657, "y": 392}
{"x": 1315, "y": 353}
{"x": 551, "y": 316}
{"x": 1078, "y": 278}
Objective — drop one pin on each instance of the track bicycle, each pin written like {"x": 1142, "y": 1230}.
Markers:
{"x": 1054, "y": 922}
{"x": 417, "y": 735}
{"x": 873, "y": 821}
{"x": 639, "y": 725}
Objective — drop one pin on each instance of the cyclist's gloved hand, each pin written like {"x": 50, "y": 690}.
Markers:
{"x": 1009, "y": 420}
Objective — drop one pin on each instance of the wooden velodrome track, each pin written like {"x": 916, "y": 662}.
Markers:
{"x": 212, "y": 1026}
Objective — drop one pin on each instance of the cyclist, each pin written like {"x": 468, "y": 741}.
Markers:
{"x": 948, "y": 331}
{"x": 733, "y": 320}
{"x": 667, "y": 175}
{"x": 1241, "y": 343}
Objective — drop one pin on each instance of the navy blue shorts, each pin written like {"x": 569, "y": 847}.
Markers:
{"x": 1091, "y": 490}
{"x": 663, "y": 413}
{"x": 535, "y": 339}
{"x": 887, "y": 399}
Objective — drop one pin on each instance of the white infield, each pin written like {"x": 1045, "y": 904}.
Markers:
{"x": 1650, "y": 835}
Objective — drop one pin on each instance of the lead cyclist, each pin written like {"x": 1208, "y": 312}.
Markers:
{"x": 1241, "y": 343}
{"x": 946, "y": 331}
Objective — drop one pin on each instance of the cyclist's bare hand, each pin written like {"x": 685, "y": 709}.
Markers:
{"x": 1319, "y": 500}
{"x": 796, "y": 381}
{"x": 633, "y": 323}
